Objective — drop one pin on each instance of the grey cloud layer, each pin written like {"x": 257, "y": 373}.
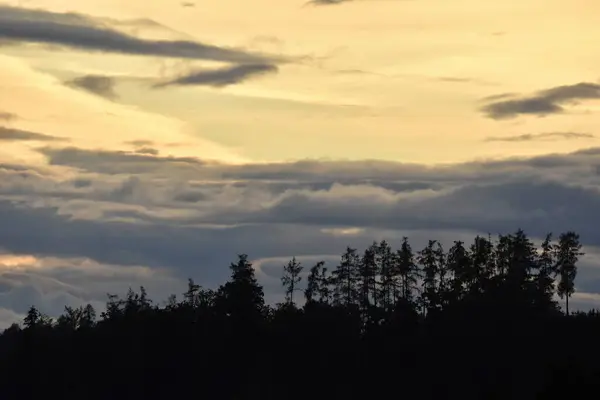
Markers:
{"x": 313, "y": 171}
{"x": 221, "y": 77}
{"x": 476, "y": 196}
{"x": 83, "y": 32}
{"x": 192, "y": 216}
{"x": 544, "y": 102}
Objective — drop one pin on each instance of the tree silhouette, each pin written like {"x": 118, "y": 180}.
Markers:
{"x": 473, "y": 323}
{"x": 432, "y": 260}
{"x": 388, "y": 274}
{"x": 241, "y": 297}
{"x": 546, "y": 271}
{"x": 567, "y": 255}
{"x": 346, "y": 277}
{"x": 313, "y": 282}
{"x": 291, "y": 278}
{"x": 459, "y": 264}
{"x": 367, "y": 272}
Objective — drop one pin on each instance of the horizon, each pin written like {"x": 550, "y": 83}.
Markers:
{"x": 142, "y": 144}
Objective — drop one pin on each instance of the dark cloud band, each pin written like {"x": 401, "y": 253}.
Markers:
{"x": 222, "y": 77}
{"x": 13, "y": 135}
{"x": 544, "y": 102}
{"x": 83, "y": 32}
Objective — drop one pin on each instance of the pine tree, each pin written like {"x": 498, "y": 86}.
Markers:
{"x": 544, "y": 284}
{"x": 291, "y": 278}
{"x": 345, "y": 277}
{"x": 32, "y": 319}
{"x": 408, "y": 272}
{"x": 459, "y": 264}
{"x": 242, "y": 296}
{"x": 312, "y": 283}
{"x": 482, "y": 256}
{"x": 431, "y": 259}
{"x": 325, "y": 283}
{"x": 521, "y": 266}
{"x": 35, "y": 319}
{"x": 367, "y": 275}
{"x": 387, "y": 277}
{"x": 190, "y": 297}
{"x": 317, "y": 286}
{"x": 567, "y": 255}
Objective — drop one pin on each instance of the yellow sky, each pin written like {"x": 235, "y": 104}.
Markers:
{"x": 375, "y": 85}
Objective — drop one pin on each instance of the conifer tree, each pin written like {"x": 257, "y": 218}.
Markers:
{"x": 408, "y": 272}
{"x": 567, "y": 254}
{"x": 387, "y": 277}
{"x": 459, "y": 264}
{"x": 547, "y": 270}
{"x": 482, "y": 264}
{"x": 312, "y": 283}
{"x": 431, "y": 261}
{"x": 242, "y": 296}
{"x": 521, "y": 266}
{"x": 291, "y": 278}
{"x": 367, "y": 275}
{"x": 345, "y": 277}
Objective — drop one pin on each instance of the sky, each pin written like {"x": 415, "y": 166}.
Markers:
{"x": 142, "y": 143}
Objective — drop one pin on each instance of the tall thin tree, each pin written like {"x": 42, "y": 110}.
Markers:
{"x": 291, "y": 278}
{"x": 568, "y": 251}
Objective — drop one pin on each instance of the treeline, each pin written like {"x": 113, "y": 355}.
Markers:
{"x": 475, "y": 321}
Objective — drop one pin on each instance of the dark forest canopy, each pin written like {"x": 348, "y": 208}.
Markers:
{"x": 477, "y": 320}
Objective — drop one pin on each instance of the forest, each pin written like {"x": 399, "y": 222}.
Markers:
{"x": 477, "y": 320}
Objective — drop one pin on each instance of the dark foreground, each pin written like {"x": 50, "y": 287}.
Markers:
{"x": 473, "y": 322}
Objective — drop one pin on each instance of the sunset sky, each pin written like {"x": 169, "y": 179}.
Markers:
{"x": 144, "y": 142}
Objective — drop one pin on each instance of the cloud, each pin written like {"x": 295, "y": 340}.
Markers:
{"x": 83, "y": 32}
{"x": 121, "y": 162}
{"x": 51, "y": 283}
{"x": 103, "y": 86}
{"x": 222, "y": 77}
{"x": 540, "y": 136}
{"x": 191, "y": 217}
{"x": 328, "y": 2}
{"x": 147, "y": 150}
{"x": 542, "y": 103}
{"x": 10, "y": 134}
{"x": 7, "y": 117}
{"x": 320, "y": 174}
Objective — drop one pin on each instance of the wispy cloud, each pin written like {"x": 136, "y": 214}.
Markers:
{"x": 540, "y": 136}
{"x": 7, "y": 117}
{"x": 103, "y": 86}
{"x": 140, "y": 142}
{"x": 10, "y": 135}
{"x": 541, "y": 103}
{"x": 223, "y": 76}
{"x": 328, "y": 2}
